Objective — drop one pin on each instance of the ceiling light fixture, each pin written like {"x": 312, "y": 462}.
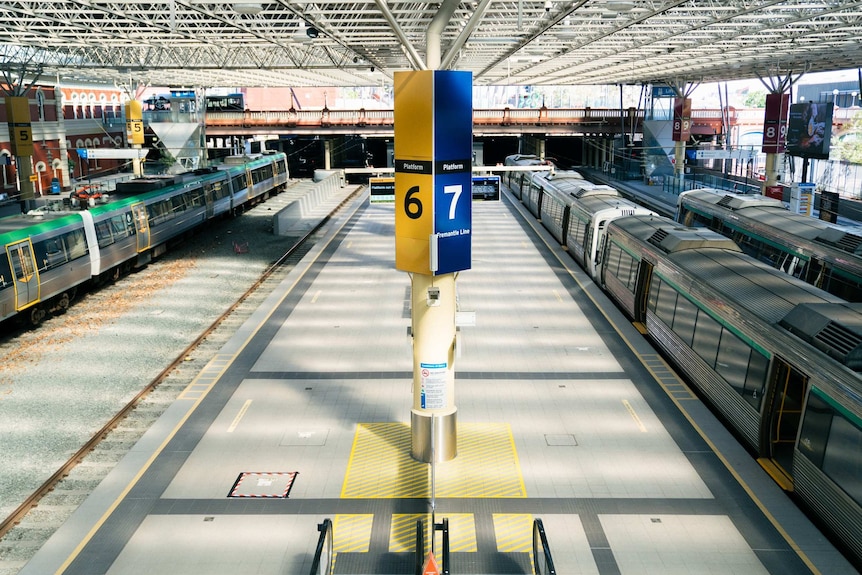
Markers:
{"x": 619, "y": 5}
{"x": 241, "y": 7}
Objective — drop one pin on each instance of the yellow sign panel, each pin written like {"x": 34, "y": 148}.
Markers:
{"x": 134, "y": 122}
{"x": 135, "y": 132}
{"x": 20, "y": 130}
{"x": 414, "y": 221}
{"x": 414, "y": 115}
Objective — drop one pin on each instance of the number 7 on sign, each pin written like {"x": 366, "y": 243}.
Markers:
{"x": 456, "y": 190}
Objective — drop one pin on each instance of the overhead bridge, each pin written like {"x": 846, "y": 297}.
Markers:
{"x": 551, "y": 121}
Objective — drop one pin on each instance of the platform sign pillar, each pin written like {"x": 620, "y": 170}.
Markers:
{"x": 680, "y": 133}
{"x": 135, "y": 131}
{"x": 774, "y": 133}
{"x": 433, "y": 227}
{"x": 21, "y": 141}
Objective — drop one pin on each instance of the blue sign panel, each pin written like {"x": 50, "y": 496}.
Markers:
{"x": 453, "y": 151}
{"x": 663, "y": 92}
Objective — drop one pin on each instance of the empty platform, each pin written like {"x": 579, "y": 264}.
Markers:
{"x": 565, "y": 413}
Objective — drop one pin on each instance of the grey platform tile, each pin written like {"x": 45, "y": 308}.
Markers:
{"x": 679, "y": 545}
{"x": 223, "y": 545}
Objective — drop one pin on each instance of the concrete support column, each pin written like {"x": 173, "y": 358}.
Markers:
{"x": 327, "y": 154}
{"x": 679, "y": 156}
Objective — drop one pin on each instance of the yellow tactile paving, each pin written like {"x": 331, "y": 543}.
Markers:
{"x": 352, "y": 533}
{"x": 380, "y": 464}
{"x": 513, "y": 532}
{"x": 462, "y": 532}
{"x": 402, "y": 533}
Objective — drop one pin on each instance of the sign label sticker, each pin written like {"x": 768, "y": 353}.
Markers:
{"x": 432, "y": 385}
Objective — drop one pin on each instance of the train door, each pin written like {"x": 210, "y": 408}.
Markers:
{"x": 590, "y": 256}
{"x": 642, "y": 284}
{"x": 142, "y": 225}
{"x": 25, "y": 273}
{"x": 784, "y": 412}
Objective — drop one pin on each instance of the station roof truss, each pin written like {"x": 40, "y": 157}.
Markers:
{"x": 247, "y": 43}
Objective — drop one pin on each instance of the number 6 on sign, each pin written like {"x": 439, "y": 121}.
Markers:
{"x": 456, "y": 190}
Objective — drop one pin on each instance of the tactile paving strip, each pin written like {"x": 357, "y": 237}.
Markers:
{"x": 486, "y": 464}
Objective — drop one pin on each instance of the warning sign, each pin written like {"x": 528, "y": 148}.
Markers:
{"x": 431, "y": 567}
{"x": 433, "y": 385}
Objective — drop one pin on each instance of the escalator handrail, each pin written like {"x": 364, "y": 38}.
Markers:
{"x": 540, "y": 539}
{"x": 420, "y": 546}
{"x": 323, "y": 553}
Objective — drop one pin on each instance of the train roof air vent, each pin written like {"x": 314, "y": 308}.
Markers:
{"x": 832, "y": 328}
{"x": 726, "y": 202}
{"x": 657, "y": 236}
{"x": 841, "y": 239}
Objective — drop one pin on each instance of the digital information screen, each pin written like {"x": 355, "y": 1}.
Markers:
{"x": 486, "y": 188}
{"x": 382, "y": 190}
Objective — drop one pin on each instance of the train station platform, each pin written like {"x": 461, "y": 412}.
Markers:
{"x": 565, "y": 414}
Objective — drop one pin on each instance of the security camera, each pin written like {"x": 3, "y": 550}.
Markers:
{"x": 548, "y": 5}
{"x": 372, "y": 68}
{"x": 312, "y": 32}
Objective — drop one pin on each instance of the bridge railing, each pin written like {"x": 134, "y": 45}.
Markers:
{"x": 363, "y": 117}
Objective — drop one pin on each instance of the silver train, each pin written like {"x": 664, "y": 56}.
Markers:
{"x": 823, "y": 254}
{"x": 47, "y": 256}
{"x": 778, "y": 358}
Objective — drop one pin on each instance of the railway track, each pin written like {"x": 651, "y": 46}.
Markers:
{"x": 24, "y": 531}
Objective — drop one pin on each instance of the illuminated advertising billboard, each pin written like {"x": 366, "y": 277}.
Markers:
{"x": 809, "y": 129}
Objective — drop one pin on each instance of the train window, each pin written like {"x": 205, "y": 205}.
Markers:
{"x": 653, "y": 294}
{"x": 707, "y": 334}
{"x": 51, "y": 253}
{"x": 755, "y": 380}
{"x": 5, "y": 271}
{"x": 105, "y": 233}
{"x": 845, "y": 287}
{"x": 841, "y": 460}
{"x": 76, "y": 244}
{"x": 666, "y": 303}
{"x": 612, "y": 261}
{"x": 241, "y": 181}
{"x": 742, "y": 367}
{"x": 178, "y": 203}
{"x": 832, "y": 442}
{"x": 195, "y": 198}
{"x": 123, "y": 225}
{"x": 815, "y": 429}
{"x": 684, "y": 320}
{"x": 732, "y": 360}
{"x": 577, "y": 230}
{"x": 159, "y": 212}
{"x": 632, "y": 269}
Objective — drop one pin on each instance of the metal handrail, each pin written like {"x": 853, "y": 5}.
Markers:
{"x": 420, "y": 545}
{"x": 543, "y": 563}
{"x": 444, "y": 527}
{"x": 322, "y": 564}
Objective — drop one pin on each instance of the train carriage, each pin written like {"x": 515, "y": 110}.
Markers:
{"x": 823, "y": 254}
{"x": 777, "y": 357}
{"x": 519, "y": 180}
{"x": 45, "y": 257}
{"x": 253, "y": 178}
{"x": 590, "y": 215}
